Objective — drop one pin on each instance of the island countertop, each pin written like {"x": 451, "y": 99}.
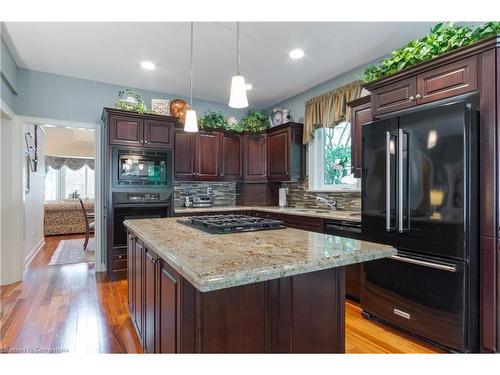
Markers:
{"x": 211, "y": 262}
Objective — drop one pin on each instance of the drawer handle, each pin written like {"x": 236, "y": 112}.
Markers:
{"x": 402, "y": 314}
{"x": 424, "y": 263}
{"x": 411, "y": 98}
{"x": 418, "y": 96}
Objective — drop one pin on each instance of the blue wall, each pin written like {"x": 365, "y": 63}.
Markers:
{"x": 38, "y": 94}
{"x": 8, "y": 75}
{"x": 296, "y": 103}
{"x": 60, "y": 97}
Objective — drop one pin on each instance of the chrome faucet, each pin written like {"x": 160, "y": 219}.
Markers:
{"x": 332, "y": 204}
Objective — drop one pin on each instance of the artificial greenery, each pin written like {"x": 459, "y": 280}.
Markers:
{"x": 255, "y": 121}
{"x": 129, "y": 100}
{"x": 212, "y": 119}
{"x": 442, "y": 38}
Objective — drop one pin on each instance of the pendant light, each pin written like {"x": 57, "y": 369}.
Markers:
{"x": 191, "y": 123}
{"x": 238, "y": 98}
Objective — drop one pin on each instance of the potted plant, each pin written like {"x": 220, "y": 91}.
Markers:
{"x": 213, "y": 120}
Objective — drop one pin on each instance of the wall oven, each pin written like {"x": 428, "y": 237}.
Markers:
{"x": 137, "y": 205}
{"x": 140, "y": 167}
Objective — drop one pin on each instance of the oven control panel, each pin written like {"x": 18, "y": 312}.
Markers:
{"x": 143, "y": 197}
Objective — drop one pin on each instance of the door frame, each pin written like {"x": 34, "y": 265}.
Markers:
{"x": 100, "y": 262}
{"x": 12, "y": 255}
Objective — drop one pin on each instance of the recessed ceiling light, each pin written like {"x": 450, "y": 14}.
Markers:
{"x": 148, "y": 65}
{"x": 248, "y": 86}
{"x": 296, "y": 53}
{"x": 49, "y": 126}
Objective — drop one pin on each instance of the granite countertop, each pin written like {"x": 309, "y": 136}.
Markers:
{"x": 210, "y": 261}
{"x": 354, "y": 216}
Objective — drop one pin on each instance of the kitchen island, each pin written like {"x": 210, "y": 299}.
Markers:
{"x": 275, "y": 291}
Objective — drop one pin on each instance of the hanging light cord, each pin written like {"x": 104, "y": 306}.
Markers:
{"x": 237, "y": 48}
{"x": 191, "y": 72}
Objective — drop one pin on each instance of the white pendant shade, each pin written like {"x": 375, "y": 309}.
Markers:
{"x": 238, "y": 98}
{"x": 191, "y": 124}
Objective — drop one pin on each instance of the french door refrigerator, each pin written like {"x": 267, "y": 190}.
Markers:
{"x": 420, "y": 195}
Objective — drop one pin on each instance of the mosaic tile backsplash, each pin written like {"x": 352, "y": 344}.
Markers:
{"x": 300, "y": 197}
{"x": 225, "y": 193}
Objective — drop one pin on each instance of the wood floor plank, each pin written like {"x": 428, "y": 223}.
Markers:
{"x": 72, "y": 309}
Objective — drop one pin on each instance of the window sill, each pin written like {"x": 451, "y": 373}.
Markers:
{"x": 338, "y": 190}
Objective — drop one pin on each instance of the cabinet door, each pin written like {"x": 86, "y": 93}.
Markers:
{"x": 255, "y": 160}
{"x": 149, "y": 301}
{"x": 167, "y": 310}
{"x": 207, "y": 156}
{"x": 277, "y": 155}
{"x": 184, "y": 151}
{"x": 353, "y": 281}
{"x": 232, "y": 157}
{"x": 393, "y": 97}
{"x": 446, "y": 81}
{"x": 130, "y": 274}
{"x": 127, "y": 131}
{"x": 361, "y": 115}
{"x": 158, "y": 134}
{"x": 138, "y": 285}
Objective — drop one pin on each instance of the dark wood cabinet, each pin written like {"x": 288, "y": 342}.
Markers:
{"x": 446, "y": 81}
{"x": 158, "y": 134}
{"x": 394, "y": 97}
{"x": 126, "y": 131}
{"x": 285, "y": 153}
{"x": 137, "y": 281}
{"x": 361, "y": 113}
{"x": 207, "y": 155}
{"x": 232, "y": 156}
{"x": 150, "y": 280}
{"x": 255, "y": 157}
{"x": 130, "y": 273}
{"x": 167, "y": 309}
{"x": 139, "y": 130}
{"x": 184, "y": 154}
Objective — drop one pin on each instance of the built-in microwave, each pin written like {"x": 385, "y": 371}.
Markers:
{"x": 133, "y": 167}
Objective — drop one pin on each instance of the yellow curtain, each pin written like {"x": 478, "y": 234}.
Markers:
{"x": 329, "y": 109}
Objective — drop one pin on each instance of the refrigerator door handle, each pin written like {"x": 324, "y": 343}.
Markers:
{"x": 400, "y": 181}
{"x": 388, "y": 226}
{"x": 438, "y": 266}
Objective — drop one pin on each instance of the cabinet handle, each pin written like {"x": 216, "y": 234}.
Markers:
{"x": 411, "y": 98}
{"x": 418, "y": 96}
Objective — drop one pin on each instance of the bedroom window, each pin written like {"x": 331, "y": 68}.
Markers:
{"x": 330, "y": 160}
{"x": 59, "y": 184}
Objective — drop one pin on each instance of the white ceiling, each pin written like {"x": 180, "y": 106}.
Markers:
{"x": 111, "y": 52}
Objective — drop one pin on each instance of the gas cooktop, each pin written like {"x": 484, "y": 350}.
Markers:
{"x": 231, "y": 223}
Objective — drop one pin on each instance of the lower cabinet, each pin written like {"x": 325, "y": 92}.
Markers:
{"x": 152, "y": 298}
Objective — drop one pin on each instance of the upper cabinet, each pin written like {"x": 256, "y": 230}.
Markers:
{"x": 197, "y": 156}
{"x": 232, "y": 156}
{"x": 285, "y": 153}
{"x": 255, "y": 157}
{"x": 207, "y": 161}
{"x": 445, "y": 81}
{"x": 361, "y": 114}
{"x": 139, "y": 130}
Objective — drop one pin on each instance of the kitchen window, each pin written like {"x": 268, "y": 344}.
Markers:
{"x": 330, "y": 160}
{"x": 59, "y": 184}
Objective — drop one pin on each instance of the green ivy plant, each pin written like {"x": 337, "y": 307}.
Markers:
{"x": 255, "y": 121}
{"x": 442, "y": 38}
{"x": 129, "y": 100}
{"x": 213, "y": 119}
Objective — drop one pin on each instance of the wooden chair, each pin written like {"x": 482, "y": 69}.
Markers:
{"x": 89, "y": 223}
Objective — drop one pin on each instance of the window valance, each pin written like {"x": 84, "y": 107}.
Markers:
{"x": 75, "y": 164}
{"x": 329, "y": 109}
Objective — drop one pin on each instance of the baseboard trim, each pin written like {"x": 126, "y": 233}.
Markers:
{"x": 33, "y": 253}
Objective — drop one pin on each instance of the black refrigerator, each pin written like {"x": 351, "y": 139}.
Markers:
{"x": 420, "y": 195}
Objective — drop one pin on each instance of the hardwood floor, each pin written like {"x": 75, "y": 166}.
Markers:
{"x": 72, "y": 309}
